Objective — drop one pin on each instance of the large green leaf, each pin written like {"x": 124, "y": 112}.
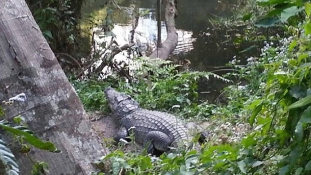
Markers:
{"x": 289, "y": 12}
{"x": 301, "y": 102}
{"x": 36, "y": 142}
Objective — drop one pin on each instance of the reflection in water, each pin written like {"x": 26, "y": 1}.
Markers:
{"x": 145, "y": 36}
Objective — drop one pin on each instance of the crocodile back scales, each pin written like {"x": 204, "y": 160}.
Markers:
{"x": 145, "y": 121}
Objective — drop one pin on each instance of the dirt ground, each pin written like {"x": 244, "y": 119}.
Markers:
{"x": 106, "y": 126}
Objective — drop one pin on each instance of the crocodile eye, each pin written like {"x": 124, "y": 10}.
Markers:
{"x": 122, "y": 98}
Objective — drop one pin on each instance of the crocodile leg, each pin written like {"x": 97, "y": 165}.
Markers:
{"x": 122, "y": 135}
{"x": 157, "y": 141}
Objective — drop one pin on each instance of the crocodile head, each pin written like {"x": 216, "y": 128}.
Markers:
{"x": 120, "y": 103}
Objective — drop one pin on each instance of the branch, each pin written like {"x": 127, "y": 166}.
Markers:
{"x": 171, "y": 41}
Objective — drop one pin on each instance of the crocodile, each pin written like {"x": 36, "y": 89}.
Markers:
{"x": 157, "y": 131}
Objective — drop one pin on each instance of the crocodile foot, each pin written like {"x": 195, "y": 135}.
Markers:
{"x": 122, "y": 136}
{"x": 157, "y": 142}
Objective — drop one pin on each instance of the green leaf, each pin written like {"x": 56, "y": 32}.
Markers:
{"x": 308, "y": 166}
{"x": 145, "y": 163}
{"x": 294, "y": 155}
{"x": 306, "y": 116}
{"x": 242, "y": 166}
{"x": 307, "y": 27}
{"x": 289, "y": 12}
{"x": 301, "y": 102}
{"x": 254, "y": 104}
{"x": 298, "y": 171}
{"x": 282, "y": 135}
{"x": 297, "y": 91}
{"x": 299, "y": 131}
{"x": 292, "y": 45}
{"x": 254, "y": 114}
{"x": 48, "y": 34}
{"x": 247, "y": 17}
{"x": 31, "y": 139}
{"x": 304, "y": 119}
{"x": 284, "y": 170}
{"x": 302, "y": 56}
{"x": 250, "y": 140}
{"x": 308, "y": 9}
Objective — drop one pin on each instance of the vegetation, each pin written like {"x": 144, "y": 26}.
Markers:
{"x": 271, "y": 93}
{"x": 164, "y": 89}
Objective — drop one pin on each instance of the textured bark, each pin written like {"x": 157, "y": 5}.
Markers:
{"x": 171, "y": 41}
{"x": 52, "y": 110}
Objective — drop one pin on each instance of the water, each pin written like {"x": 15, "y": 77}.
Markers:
{"x": 207, "y": 49}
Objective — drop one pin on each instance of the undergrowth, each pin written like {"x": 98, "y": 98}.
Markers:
{"x": 157, "y": 88}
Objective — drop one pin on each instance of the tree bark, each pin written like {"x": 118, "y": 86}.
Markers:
{"x": 52, "y": 110}
{"x": 171, "y": 41}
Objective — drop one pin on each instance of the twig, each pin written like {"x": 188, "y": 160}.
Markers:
{"x": 114, "y": 52}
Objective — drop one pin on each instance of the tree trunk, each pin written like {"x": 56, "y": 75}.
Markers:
{"x": 170, "y": 43}
{"x": 52, "y": 110}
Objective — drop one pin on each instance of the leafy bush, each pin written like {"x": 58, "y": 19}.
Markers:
{"x": 277, "y": 99}
{"x": 91, "y": 94}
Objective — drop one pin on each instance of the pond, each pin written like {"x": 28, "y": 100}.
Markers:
{"x": 207, "y": 48}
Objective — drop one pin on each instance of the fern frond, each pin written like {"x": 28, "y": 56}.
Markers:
{"x": 7, "y": 159}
